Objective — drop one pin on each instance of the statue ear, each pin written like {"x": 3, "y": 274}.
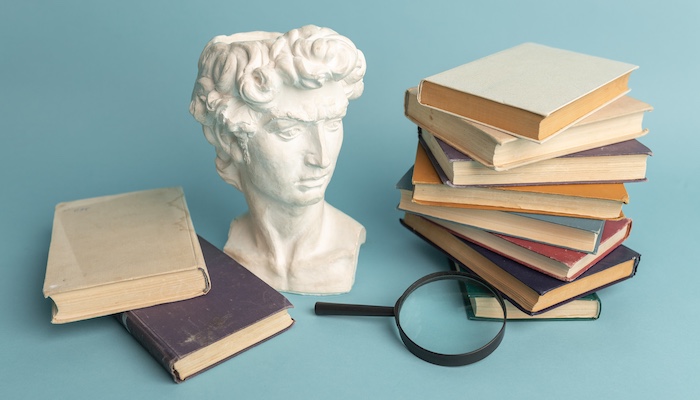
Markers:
{"x": 228, "y": 169}
{"x": 229, "y": 155}
{"x": 230, "y": 143}
{"x": 227, "y": 142}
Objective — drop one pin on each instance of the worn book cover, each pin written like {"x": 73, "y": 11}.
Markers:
{"x": 115, "y": 253}
{"x": 619, "y": 121}
{"x": 190, "y": 336}
{"x": 599, "y": 201}
{"x": 560, "y": 263}
{"x": 581, "y": 234}
{"x": 618, "y": 162}
{"x": 531, "y": 291}
{"x": 529, "y": 90}
{"x": 483, "y": 305}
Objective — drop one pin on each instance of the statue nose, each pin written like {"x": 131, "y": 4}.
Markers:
{"x": 318, "y": 153}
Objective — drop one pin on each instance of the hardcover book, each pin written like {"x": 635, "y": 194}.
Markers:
{"x": 617, "y": 122}
{"x": 188, "y": 337}
{"x": 598, "y": 201}
{"x": 115, "y": 253}
{"x": 560, "y": 263}
{"x": 483, "y": 305}
{"x": 530, "y": 90}
{"x": 582, "y": 234}
{"x": 618, "y": 162}
{"x": 531, "y": 291}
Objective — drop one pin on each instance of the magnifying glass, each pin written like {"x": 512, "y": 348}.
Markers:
{"x": 432, "y": 316}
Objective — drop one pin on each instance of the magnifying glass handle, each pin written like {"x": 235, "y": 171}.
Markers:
{"x": 323, "y": 308}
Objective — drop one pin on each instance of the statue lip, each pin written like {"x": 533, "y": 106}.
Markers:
{"x": 313, "y": 181}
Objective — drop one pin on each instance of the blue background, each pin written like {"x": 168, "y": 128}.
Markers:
{"x": 94, "y": 101}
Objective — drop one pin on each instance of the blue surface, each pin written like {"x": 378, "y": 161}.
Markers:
{"x": 95, "y": 101}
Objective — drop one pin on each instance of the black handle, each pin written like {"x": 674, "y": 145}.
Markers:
{"x": 323, "y": 308}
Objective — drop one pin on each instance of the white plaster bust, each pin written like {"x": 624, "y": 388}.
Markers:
{"x": 272, "y": 105}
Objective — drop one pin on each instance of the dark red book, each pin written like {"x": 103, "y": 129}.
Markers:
{"x": 188, "y": 337}
{"x": 559, "y": 262}
{"x": 531, "y": 291}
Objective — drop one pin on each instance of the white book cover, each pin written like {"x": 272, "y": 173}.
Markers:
{"x": 533, "y": 77}
{"x": 113, "y": 253}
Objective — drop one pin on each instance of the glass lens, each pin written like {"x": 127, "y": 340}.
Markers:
{"x": 439, "y": 316}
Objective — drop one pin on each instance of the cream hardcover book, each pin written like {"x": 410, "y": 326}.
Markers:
{"x": 582, "y": 234}
{"x": 595, "y": 200}
{"x": 116, "y": 253}
{"x": 530, "y": 90}
{"x": 618, "y": 121}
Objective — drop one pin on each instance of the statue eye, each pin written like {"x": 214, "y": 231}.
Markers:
{"x": 284, "y": 128}
{"x": 333, "y": 124}
{"x": 290, "y": 132}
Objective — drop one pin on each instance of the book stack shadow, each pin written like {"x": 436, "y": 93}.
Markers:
{"x": 520, "y": 176}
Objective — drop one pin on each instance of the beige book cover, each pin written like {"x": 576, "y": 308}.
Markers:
{"x": 537, "y": 79}
{"x": 597, "y": 201}
{"x": 619, "y": 121}
{"x": 115, "y": 253}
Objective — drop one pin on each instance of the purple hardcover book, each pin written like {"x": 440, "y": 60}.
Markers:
{"x": 543, "y": 284}
{"x": 627, "y": 148}
{"x": 188, "y": 337}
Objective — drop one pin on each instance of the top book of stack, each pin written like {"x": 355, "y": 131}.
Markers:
{"x": 531, "y": 91}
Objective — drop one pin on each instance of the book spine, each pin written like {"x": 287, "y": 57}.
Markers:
{"x": 150, "y": 341}
{"x": 461, "y": 266}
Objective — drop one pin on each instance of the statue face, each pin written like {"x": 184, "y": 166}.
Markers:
{"x": 294, "y": 153}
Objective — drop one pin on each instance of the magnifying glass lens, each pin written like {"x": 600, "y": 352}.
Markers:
{"x": 438, "y": 316}
{"x": 435, "y": 318}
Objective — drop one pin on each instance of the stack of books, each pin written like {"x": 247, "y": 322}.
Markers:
{"x": 520, "y": 174}
{"x": 137, "y": 257}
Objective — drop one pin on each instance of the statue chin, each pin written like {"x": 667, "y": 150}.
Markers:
{"x": 325, "y": 264}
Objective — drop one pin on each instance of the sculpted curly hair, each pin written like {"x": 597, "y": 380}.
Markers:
{"x": 240, "y": 76}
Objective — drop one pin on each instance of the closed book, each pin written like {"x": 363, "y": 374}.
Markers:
{"x": 531, "y": 291}
{"x": 115, "y": 253}
{"x": 618, "y": 162}
{"x": 598, "y": 201}
{"x": 188, "y": 337}
{"x": 483, "y": 305}
{"x": 530, "y": 90}
{"x": 582, "y": 234}
{"x": 560, "y": 263}
{"x": 619, "y": 121}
